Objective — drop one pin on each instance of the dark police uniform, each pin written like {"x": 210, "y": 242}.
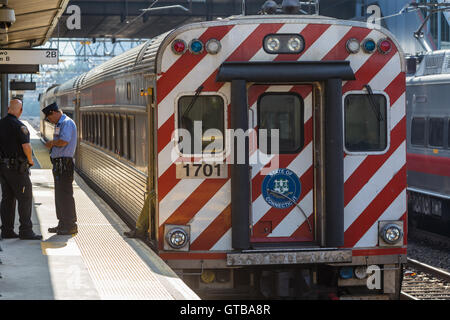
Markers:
{"x": 15, "y": 178}
{"x": 63, "y": 171}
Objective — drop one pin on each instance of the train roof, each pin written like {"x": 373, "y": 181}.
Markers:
{"x": 145, "y": 58}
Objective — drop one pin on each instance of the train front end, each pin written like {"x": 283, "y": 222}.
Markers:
{"x": 281, "y": 157}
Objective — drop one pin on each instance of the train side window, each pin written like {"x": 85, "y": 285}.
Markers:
{"x": 448, "y": 133}
{"x": 124, "y": 137}
{"x": 418, "y": 131}
{"x": 97, "y": 136}
{"x": 112, "y": 132}
{"x": 118, "y": 135}
{"x": 128, "y": 90}
{"x": 282, "y": 111}
{"x": 131, "y": 139}
{"x": 436, "y": 132}
{"x": 209, "y": 109}
{"x": 365, "y": 123}
{"x": 103, "y": 126}
{"x": 91, "y": 134}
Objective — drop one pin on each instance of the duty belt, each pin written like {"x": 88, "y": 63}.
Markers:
{"x": 62, "y": 165}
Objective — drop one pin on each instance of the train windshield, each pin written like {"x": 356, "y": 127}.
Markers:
{"x": 365, "y": 123}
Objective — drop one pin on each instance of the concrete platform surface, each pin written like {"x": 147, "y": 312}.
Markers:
{"x": 96, "y": 263}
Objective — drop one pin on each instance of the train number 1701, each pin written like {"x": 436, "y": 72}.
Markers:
{"x": 188, "y": 170}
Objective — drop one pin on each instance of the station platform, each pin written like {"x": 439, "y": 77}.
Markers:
{"x": 98, "y": 263}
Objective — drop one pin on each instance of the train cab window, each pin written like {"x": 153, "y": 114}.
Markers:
{"x": 365, "y": 123}
{"x": 418, "y": 131}
{"x": 436, "y": 132}
{"x": 282, "y": 111}
{"x": 209, "y": 110}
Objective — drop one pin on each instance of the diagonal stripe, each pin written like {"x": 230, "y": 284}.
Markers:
{"x": 372, "y": 188}
{"x": 176, "y": 197}
{"x": 210, "y": 211}
{"x": 216, "y": 230}
{"x": 377, "y": 206}
{"x": 371, "y": 164}
{"x": 295, "y": 219}
{"x": 323, "y": 46}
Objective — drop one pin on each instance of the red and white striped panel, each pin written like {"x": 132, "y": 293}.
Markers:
{"x": 285, "y": 224}
{"x": 374, "y": 185}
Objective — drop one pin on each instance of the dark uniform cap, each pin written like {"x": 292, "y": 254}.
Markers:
{"x": 49, "y": 108}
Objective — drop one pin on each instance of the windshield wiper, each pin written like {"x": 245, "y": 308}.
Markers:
{"x": 297, "y": 205}
{"x": 191, "y": 104}
{"x": 373, "y": 103}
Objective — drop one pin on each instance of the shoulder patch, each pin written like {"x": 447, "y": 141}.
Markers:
{"x": 24, "y": 130}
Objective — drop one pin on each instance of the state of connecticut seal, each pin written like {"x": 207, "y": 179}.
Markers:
{"x": 281, "y": 188}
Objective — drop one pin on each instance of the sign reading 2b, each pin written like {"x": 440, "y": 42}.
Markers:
{"x": 31, "y": 56}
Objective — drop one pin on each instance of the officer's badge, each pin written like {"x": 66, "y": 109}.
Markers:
{"x": 24, "y": 130}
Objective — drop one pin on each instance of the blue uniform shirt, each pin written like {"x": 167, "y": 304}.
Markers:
{"x": 65, "y": 130}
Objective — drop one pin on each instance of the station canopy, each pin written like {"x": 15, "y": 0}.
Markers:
{"x": 35, "y": 22}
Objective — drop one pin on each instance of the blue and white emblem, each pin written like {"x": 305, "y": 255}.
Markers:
{"x": 281, "y": 188}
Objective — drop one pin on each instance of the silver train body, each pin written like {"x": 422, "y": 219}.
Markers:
{"x": 119, "y": 114}
{"x": 428, "y": 144}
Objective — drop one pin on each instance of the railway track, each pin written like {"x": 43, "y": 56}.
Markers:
{"x": 424, "y": 282}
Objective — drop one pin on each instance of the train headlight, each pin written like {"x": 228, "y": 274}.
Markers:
{"x": 283, "y": 43}
{"x": 294, "y": 44}
{"x": 272, "y": 44}
{"x": 177, "y": 237}
{"x": 391, "y": 233}
{"x": 196, "y": 46}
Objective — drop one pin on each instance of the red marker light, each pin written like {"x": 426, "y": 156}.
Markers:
{"x": 179, "y": 46}
{"x": 384, "y": 46}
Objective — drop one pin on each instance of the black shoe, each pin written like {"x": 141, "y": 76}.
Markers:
{"x": 54, "y": 229}
{"x": 9, "y": 235}
{"x": 67, "y": 231}
{"x": 30, "y": 236}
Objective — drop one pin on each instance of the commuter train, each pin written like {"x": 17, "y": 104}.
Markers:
{"x": 271, "y": 148}
{"x": 428, "y": 145}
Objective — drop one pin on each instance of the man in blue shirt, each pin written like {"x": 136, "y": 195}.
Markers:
{"x": 62, "y": 151}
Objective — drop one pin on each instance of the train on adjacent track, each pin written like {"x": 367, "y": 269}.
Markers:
{"x": 428, "y": 145}
{"x": 271, "y": 149}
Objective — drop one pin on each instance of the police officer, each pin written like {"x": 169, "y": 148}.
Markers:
{"x": 62, "y": 151}
{"x": 15, "y": 160}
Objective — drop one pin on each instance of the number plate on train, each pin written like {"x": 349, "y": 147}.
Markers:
{"x": 187, "y": 170}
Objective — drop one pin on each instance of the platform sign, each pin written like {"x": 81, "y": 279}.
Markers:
{"x": 31, "y": 56}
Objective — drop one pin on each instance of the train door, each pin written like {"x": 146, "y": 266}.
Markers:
{"x": 282, "y": 183}
{"x": 151, "y": 142}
